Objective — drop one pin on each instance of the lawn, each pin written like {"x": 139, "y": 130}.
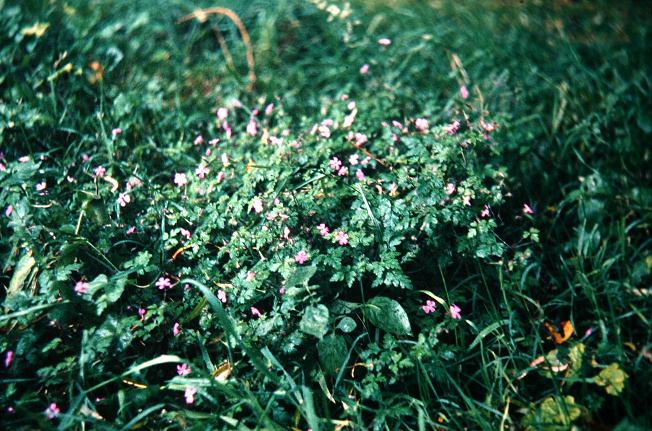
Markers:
{"x": 293, "y": 215}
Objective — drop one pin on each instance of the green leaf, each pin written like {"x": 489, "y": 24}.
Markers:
{"x": 612, "y": 378}
{"x": 346, "y": 325}
{"x": 388, "y": 315}
{"x": 315, "y": 320}
{"x": 300, "y": 276}
{"x": 22, "y": 270}
{"x": 332, "y": 349}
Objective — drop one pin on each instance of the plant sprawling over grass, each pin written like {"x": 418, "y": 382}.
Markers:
{"x": 405, "y": 225}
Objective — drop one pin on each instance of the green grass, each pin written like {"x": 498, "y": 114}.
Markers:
{"x": 568, "y": 85}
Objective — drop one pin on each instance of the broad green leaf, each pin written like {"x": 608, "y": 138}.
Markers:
{"x": 346, "y": 325}
{"x": 553, "y": 413}
{"x": 300, "y": 276}
{"x": 315, "y": 320}
{"x": 388, "y": 315}
{"x": 612, "y": 378}
{"x": 332, "y": 351}
{"x": 21, "y": 272}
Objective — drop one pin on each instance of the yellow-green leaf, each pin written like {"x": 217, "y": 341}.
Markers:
{"x": 612, "y": 378}
{"x": 38, "y": 29}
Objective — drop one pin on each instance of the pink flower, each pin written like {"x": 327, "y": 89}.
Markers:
{"x": 220, "y": 177}
{"x": 364, "y": 69}
{"x": 163, "y": 282}
{"x": 124, "y": 199}
{"x": 175, "y": 329}
{"x": 335, "y": 164}
{"x": 221, "y": 295}
{"x": 180, "y": 179}
{"x": 201, "y": 171}
{"x": 324, "y": 131}
{"x": 257, "y": 205}
{"x": 421, "y": 124}
{"x": 199, "y": 139}
{"x": 9, "y": 210}
{"x": 323, "y": 229}
{"x": 189, "y": 394}
{"x": 185, "y": 233}
{"x": 343, "y": 171}
{"x": 131, "y": 230}
{"x": 301, "y": 257}
{"x": 269, "y": 109}
{"x": 399, "y": 125}
{"x": 250, "y": 276}
{"x": 85, "y": 157}
{"x": 354, "y": 159}
{"x": 359, "y": 174}
{"x": 115, "y": 132}
{"x": 456, "y": 312}
{"x": 52, "y": 411}
{"x": 360, "y": 138}
{"x": 214, "y": 142}
{"x": 527, "y": 209}
{"x": 99, "y": 171}
{"x": 348, "y": 120}
{"x": 81, "y": 287}
{"x": 489, "y": 127}
{"x": 9, "y": 357}
{"x": 464, "y": 92}
{"x": 142, "y": 312}
{"x": 485, "y": 211}
{"x": 286, "y": 233}
{"x": 384, "y": 41}
{"x": 24, "y": 159}
{"x": 41, "y": 186}
{"x": 2, "y": 168}
{"x": 281, "y": 290}
{"x": 222, "y": 113}
{"x": 429, "y": 307}
{"x": 450, "y": 188}
{"x": 452, "y": 128}
{"x": 255, "y": 312}
{"x": 227, "y": 130}
{"x": 342, "y": 238}
{"x": 251, "y": 127}
{"x": 366, "y": 161}
{"x": 183, "y": 370}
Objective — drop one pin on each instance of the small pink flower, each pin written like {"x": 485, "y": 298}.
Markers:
{"x": 142, "y": 312}
{"x": 359, "y": 174}
{"x": 227, "y": 130}
{"x": 489, "y": 127}
{"x": 323, "y": 229}
{"x": 251, "y": 127}
{"x": 464, "y": 92}
{"x": 335, "y": 164}
{"x": 351, "y": 105}
{"x": 527, "y": 209}
{"x": 429, "y": 307}
{"x": 201, "y": 171}
{"x": 456, "y": 312}
{"x": 301, "y": 257}
{"x": 588, "y": 332}
{"x": 24, "y": 159}
{"x": 183, "y": 370}
{"x": 185, "y": 232}
{"x": 199, "y": 139}
{"x": 485, "y": 211}
{"x": 124, "y": 199}
{"x": 9, "y": 210}
{"x": 421, "y": 124}
{"x": 131, "y": 230}
{"x": 99, "y": 171}
{"x": 221, "y": 295}
{"x": 354, "y": 159}
{"x": 360, "y": 138}
{"x": 364, "y": 69}
{"x": 2, "y": 167}
{"x": 250, "y": 276}
{"x": 366, "y": 161}
{"x": 220, "y": 177}
{"x": 286, "y": 233}
{"x": 52, "y": 411}
{"x": 281, "y": 290}
{"x": 85, "y": 157}
{"x": 41, "y": 186}
{"x": 344, "y": 170}
{"x": 9, "y": 357}
{"x": 342, "y": 238}
{"x": 213, "y": 142}
{"x": 324, "y": 131}
{"x": 255, "y": 312}
{"x": 257, "y": 205}
{"x": 81, "y": 287}
{"x": 269, "y": 109}
{"x": 189, "y": 394}
{"x": 452, "y": 128}
{"x": 222, "y": 113}
{"x": 384, "y": 41}
{"x": 348, "y": 120}
{"x": 450, "y": 188}
{"x": 175, "y": 329}
{"x": 115, "y": 132}
{"x": 180, "y": 179}
{"x": 163, "y": 282}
